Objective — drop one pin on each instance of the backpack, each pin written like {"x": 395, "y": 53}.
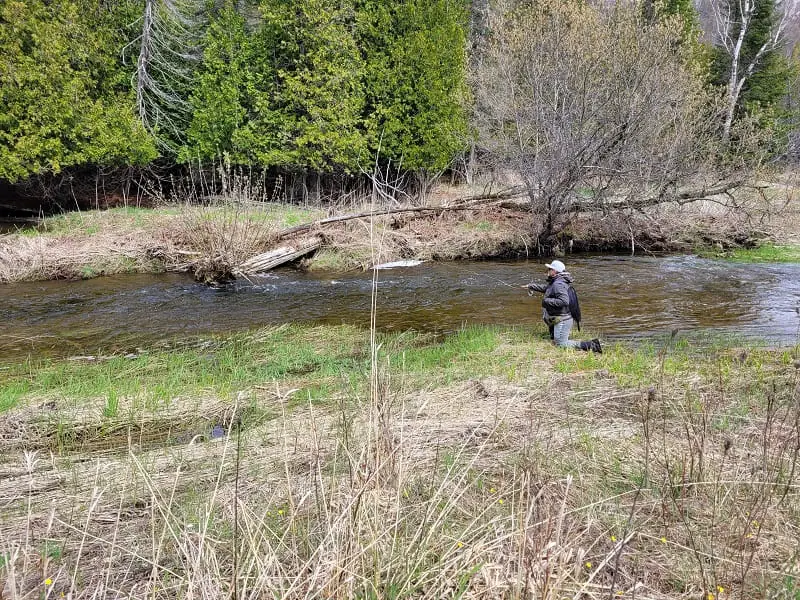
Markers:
{"x": 574, "y": 306}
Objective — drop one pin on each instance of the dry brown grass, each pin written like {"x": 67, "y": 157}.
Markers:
{"x": 551, "y": 486}
{"x": 213, "y": 240}
{"x": 25, "y": 258}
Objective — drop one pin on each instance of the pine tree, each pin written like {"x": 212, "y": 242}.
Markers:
{"x": 65, "y": 96}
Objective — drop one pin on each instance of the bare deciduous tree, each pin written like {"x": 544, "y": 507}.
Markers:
{"x": 580, "y": 98}
{"x": 733, "y": 22}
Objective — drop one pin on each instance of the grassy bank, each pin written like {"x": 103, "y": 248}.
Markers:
{"x": 87, "y": 244}
{"x": 306, "y": 462}
{"x": 216, "y": 239}
{"x": 767, "y": 253}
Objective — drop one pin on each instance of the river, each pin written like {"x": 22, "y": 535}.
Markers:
{"x": 621, "y": 297}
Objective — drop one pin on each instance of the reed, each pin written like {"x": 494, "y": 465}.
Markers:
{"x": 338, "y": 462}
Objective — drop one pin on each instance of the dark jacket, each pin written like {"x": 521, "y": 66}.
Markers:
{"x": 556, "y": 295}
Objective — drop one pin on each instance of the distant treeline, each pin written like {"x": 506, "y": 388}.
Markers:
{"x": 337, "y": 86}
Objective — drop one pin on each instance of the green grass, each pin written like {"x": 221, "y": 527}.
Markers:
{"x": 321, "y": 361}
{"x": 316, "y": 360}
{"x": 767, "y": 253}
{"x": 469, "y": 350}
{"x": 92, "y": 222}
{"x": 219, "y": 366}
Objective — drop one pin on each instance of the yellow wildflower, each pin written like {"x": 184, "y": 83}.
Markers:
{"x": 720, "y": 589}
{"x": 613, "y": 538}
{"x": 663, "y": 540}
{"x": 48, "y": 581}
{"x": 588, "y": 565}
{"x": 500, "y": 501}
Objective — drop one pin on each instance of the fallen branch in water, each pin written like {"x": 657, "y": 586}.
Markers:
{"x": 274, "y": 258}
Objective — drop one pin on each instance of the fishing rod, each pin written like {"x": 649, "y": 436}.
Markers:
{"x": 498, "y": 280}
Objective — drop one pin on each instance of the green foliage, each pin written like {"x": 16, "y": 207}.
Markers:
{"x": 221, "y": 90}
{"x": 313, "y": 104}
{"x": 765, "y": 90}
{"x": 317, "y": 85}
{"x": 327, "y": 85}
{"x": 415, "y": 53}
{"x": 290, "y": 94}
{"x": 65, "y": 98}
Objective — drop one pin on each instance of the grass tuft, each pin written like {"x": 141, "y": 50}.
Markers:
{"x": 301, "y": 461}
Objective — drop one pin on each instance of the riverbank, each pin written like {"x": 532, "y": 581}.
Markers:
{"x": 213, "y": 241}
{"x": 306, "y": 462}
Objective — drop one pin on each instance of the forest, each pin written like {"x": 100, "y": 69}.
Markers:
{"x": 640, "y": 96}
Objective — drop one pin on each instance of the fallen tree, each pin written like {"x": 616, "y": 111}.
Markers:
{"x": 467, "y": 203}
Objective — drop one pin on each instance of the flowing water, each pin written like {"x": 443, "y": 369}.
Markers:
{"x": 621, "y": 298}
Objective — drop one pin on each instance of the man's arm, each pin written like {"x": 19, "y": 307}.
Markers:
{"x": 536, "y": 287}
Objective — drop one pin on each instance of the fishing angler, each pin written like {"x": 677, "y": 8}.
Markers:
{"x": 560, "y": 307}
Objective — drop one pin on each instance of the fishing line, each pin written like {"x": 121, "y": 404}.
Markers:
{"x": 498, "y": 280}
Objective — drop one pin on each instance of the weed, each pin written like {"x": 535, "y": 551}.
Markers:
{"x": 766, "y": 253}
{"x": 111, "y": 408}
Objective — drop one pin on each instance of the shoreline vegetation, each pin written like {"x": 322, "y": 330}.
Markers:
{"x": 211, "y": 241}
{"x": 311, "y": 461}
{"x": 338, "y": 462}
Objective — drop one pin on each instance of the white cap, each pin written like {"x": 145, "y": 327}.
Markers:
{"x": 557, "y": 266}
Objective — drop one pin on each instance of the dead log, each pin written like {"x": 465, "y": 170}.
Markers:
{"x": 274, "y": 258}
{"x": 467, "y": 203}
{"x": 680, "y": 197}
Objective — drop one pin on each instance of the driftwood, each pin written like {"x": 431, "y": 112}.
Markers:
{"x": 274, "y": 258}
{"x": 461, "y": 204}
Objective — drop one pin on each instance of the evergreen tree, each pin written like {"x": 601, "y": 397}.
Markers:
{"x": 767, "y": 86}
{"x": 223, "y": 84}
{"x": 290, "y": 94}
{"x": 754, "y": 72}
{"x": 65, "y": 97}
{"x": 415, "y": 52}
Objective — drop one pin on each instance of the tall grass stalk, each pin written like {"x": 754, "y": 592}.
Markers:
{"x": 678, "y": 483}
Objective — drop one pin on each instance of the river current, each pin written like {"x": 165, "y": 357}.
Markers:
{"x": 621, "y": 298}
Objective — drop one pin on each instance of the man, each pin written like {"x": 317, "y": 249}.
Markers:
{"x": 556, "y": 308}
